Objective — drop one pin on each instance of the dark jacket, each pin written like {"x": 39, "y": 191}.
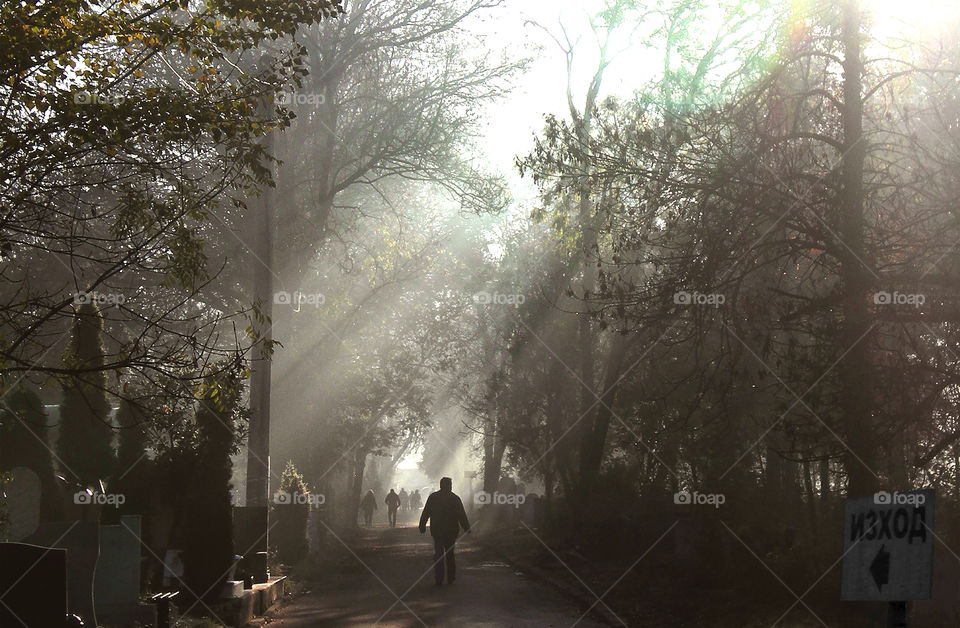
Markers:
{"x": 446, "y": 514}
{"x": 392, "y": 501}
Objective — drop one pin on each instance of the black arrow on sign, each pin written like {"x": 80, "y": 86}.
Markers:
{"x": 880, "y": 567}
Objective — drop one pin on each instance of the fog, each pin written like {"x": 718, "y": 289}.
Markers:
{"x": 666, "y": 290}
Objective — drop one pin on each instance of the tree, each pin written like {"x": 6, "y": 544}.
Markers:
{"x": 391, "y": 96}
{"x": 392, "y": 92}
{"x": 132, "y": 440}
{"x": 85, "y": 441}
{"x": 134, "y": 476}
{"x": 208, "y": 548}
{"x": 292, "y": 511}
{"x": 795, "y": 199}
{"x": 114, "y": 175}
{"x": 582, "y": 195}
{"x": 24, "y": 442}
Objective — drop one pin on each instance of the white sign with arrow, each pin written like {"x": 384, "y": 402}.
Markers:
{"x": 888, "y": 546}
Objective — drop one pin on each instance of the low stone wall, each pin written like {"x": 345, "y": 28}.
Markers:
{"x": 254, "y": 602}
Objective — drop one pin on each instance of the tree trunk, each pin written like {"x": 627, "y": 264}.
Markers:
{"x": 258, "y": 444}
{"x": 854, "y": 369}
{"x": 589, "y": 255}
{"x": 771, "y": 471}
{"x": 898, "y": 461}
{"x": 493, "y": 450}
{"x": 359, "y": 464}
{"x": 595, "y": 440}
{"x": 956, "y": 472}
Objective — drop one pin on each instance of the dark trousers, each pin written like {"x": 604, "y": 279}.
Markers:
{"x": 392, "y": 517}
{"x": 368, "y": 516}
{"x": 443, "y": 556}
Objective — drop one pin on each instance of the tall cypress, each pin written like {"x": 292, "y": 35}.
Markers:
{"x": 23, "y": 443}
{"x": 290, "y": 534}
{"x": 208, "y": 551}
{"x": 85, "y": 444}
{"x": 132, "y": 440}
{"x": 133, "y": 476}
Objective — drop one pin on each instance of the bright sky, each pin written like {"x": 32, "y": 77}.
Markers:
{"x": 541, "y": 90}
{"x": 893, "y": 17}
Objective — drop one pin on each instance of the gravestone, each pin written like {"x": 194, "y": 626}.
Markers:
{"x": 81, "y": 539}
{"x": 250, "y": 539}
{"x": 116, "y": 589}
{"x": 33, "y": 585}
{"x": 23, "y": 495}
{"x": 173, "y": 568}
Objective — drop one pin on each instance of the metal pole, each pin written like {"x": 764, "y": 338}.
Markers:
{"x": 897, "y": 615}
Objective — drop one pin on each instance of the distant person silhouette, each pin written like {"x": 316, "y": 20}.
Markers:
{"x": 367, "y": 506}
{"x": 393, "y": 502}
{"x": 404, "y": 500}
{"x": 416, "y": 502}
{"x": 445, "y": 512}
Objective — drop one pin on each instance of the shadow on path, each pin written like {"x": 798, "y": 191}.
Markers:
{"x": 390, "y": 583}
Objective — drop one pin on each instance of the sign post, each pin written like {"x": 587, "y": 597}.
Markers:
{"x": 897, "y": 615}
{"x": 888, "y": 550}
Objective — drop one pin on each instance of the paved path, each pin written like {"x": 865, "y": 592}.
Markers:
{"x": 388, "y": 564}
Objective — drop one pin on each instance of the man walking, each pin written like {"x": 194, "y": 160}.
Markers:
{"x": 445, "y": 512}
{"x": 393, "y": 502}
{"x": 367, "y": 505}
